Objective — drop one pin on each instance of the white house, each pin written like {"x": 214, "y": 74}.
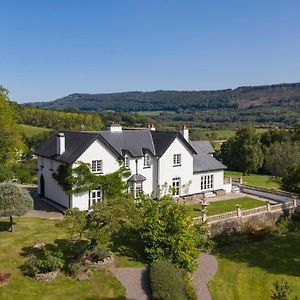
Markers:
{"x": 157, "y": 161}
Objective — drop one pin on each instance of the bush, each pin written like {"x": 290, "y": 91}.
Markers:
{"x": 97, "y": 254}
{"x": 284, "y": 224}
{"x": 73, "y": 269}
{"x": 167, "y": 282}
{"x": 47, "y": 263}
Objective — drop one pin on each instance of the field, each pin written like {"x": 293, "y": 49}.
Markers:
{"x": 265, "y": 181}
{"x": 31, "y": 131}
{"x": 248, "y": 271}
{"x": 14, "y": 251}
{"x": 219, "y": 207}
{"x": 153, "y": 113}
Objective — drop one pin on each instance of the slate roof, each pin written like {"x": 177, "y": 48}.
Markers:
{"x": 204, "y": 162}
{"x": 136, "y": 142}
{"x": 204, "y": 146}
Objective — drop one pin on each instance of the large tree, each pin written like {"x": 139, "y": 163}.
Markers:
{"x": 11, "y": 144}
{"x": 243, "y": 152}
{"x": 168, "y": 231}
{"x": 14, "y": 201}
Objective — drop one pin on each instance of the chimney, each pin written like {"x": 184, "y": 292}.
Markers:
{"x": 152, "y": 128}
{"x": 60, "y": 143}
{"x": 115, "y": 128}
{"x": 185, "y": 132}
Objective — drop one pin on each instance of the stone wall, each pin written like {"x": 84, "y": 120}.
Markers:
{"x": 264, "y": 219}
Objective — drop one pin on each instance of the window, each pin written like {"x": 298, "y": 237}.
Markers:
{"x": 176, "y": 186}
{"x": 126, "y": 162}
{"x": 97, "y": 166}
{"x": 51, "y": 165}
{"x": 138, "y": 189}
{"x": 42, "y": 162}
{"x": 146, "y": 161}
{"x": 207, "y": 182}
{"x": 95, "y": 196}
{"x": 177, "y": 160}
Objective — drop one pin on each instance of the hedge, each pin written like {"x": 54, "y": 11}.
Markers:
{"x": 167, "y": 281}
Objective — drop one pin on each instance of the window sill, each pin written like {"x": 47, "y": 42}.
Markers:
{"x": 177, "y": 165}
{"x": 97, "y": 173}
{"x": 147, "y": 167}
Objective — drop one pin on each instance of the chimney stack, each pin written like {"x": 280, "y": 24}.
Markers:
{"x": 60, "y": 143}
{"x": 185, "y": 132}
{"x": 115, "y": 128}
{"x": 151, "y": 127}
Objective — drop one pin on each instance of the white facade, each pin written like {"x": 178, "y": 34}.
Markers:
{"x": 172, "y": 172}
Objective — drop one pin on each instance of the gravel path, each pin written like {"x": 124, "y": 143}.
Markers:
{"x": 207, "y": 268}
{"x": 135, "y": 281}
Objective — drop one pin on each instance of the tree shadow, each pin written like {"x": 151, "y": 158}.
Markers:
{"x": 4, "y": 225}
{"x": 276, "y": 254}
{"x": 126, "y": 242}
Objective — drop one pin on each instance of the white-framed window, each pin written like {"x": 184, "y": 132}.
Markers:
{"x": 126, "y": 161}
{"x": 95, "y": 196}
{"x": 176, "y": 186}
{"x": 177, "y": 160}
{"x": 96, "y": 166}
{"x": 146, "y": 161}
{"x": 207, "y": 182}
{"x": 138, "y": 189}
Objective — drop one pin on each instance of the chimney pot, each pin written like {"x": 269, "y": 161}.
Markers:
{"x": 60, "y": 143}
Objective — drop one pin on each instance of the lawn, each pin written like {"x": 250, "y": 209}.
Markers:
{"x": 248, "y": 271}
{"x": 101, "y": 285}
{"x": 31, "y": 131}
{"x": 265, "y": 181}
{"x": 219, "y": 207}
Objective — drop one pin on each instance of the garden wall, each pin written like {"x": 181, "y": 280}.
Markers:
{"x": 265, "y": 219}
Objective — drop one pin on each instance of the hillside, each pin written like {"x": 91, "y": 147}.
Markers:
{"x": 278, "y": 95}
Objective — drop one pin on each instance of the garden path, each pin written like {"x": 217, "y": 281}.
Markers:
{"x": 135, "y": 281}
{"x": 207, "y": 268}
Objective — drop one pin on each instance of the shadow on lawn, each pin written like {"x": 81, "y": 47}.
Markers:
{"x": 126, "y": 242}
{"x": 277, "y": 254}
{"x": 5, "y": 225}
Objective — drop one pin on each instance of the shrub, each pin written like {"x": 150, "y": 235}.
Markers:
{"x": 32, "y": 266}
{"x": 167, "y": 282}
{"x": 73, "y": 269}
{"x": 97, "y": 254}
{"x": 284, "y": 224}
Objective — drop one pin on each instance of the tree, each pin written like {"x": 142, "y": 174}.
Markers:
{"x": 168, "y": 232}
{"x": 282, "y": 158}
{"x": 74, "y": 222}
{"x": 14, "y": 201}
{"x": 11, "y": 144}
{"x": 291, "y": 181}
{"x": 243, "y": 152}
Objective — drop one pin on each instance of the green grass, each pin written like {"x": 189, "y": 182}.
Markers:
{"x": 265, "y": 181}
{"x": 31, "y": 131}
{"x": 248, "y": 271}
{"x": 222, "y": 206}
{"x": 101, "y": 284}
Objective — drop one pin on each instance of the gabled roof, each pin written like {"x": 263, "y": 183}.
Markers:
{"x": 134, "y": 142}
{"x": 204, "y": 162}
{"x": 204, "y": 146}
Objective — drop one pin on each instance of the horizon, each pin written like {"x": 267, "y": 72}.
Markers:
{"x": 54, "y": 49}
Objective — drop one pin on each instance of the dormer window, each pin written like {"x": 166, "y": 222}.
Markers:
{"x": 146, "y": 161}
{"x": 126, "y": 161}
{"x": 176, "y": 160}
{"x": 96, "y": 166}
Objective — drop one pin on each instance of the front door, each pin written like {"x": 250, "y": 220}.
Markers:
{"x": 176, "y": 186}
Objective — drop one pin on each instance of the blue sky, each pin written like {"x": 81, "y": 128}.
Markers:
{"x": 51, "y": 48}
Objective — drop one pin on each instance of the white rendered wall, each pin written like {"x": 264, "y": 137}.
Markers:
{"x": 218, "y": 181}
{"x": 53, "y": 190}
{"x": 167, "y": 171}
{"x": 110, "y": 164}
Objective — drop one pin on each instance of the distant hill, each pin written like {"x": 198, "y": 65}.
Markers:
{"x": 277, "y": 95}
